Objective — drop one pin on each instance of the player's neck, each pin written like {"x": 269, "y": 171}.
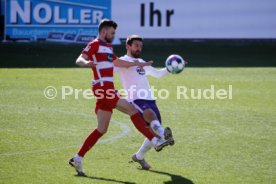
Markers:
{"x": 101, "y": 38}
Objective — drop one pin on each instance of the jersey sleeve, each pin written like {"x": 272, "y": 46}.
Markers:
{"x": 91, "y": 49}
{"x": 117, "y": 69}
{"x": 155, "y": 72}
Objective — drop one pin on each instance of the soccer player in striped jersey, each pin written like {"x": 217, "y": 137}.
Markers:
{"x": 135, "y": 83}
{"x": 99, "y": 56}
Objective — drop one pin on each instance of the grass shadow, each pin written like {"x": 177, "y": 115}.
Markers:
{"x": 106, "y": 179}
{"x": 175, "y": 179}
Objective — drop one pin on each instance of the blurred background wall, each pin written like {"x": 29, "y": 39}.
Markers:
{"x": 207, "y": 33}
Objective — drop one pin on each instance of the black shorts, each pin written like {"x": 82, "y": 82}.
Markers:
{"x": 142, "y": 105}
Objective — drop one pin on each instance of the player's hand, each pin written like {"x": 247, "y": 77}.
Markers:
{"x": 91, "y": 64}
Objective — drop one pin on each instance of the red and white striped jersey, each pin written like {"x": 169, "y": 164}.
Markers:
{"x": 102, "y": 54}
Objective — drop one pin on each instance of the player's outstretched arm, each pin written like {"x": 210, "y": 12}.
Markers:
{"x": 125, "y": 64}
{"x": 157, "y": 73}
{"x": 83, "y": 61}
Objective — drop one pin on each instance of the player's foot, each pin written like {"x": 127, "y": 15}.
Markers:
{"x": 142, "y": 162}
{"x": 77, "y": 164}
{"x": 159, "y": 144}
{"x": 168, "y": 135}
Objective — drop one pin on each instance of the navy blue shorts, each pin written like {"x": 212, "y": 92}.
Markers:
{"x": 142, "y": 105}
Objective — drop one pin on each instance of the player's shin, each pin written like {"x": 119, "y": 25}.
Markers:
{"x": 89, "y": 142}
{"x": 157, "y": 128}
{"x": 141, "y": 125}
{"x": 146, "y": 146}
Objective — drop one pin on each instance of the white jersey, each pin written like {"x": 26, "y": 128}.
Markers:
{"x": 135, "y": 81}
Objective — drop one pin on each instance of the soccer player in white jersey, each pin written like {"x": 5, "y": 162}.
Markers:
{"x": 134, "y": 81}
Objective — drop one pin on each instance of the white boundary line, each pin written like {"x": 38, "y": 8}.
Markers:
{"x": 125, "y": 129}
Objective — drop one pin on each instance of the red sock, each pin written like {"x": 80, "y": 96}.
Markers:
{"x": 89, "y": 142}
{"x": 141, "y": 125}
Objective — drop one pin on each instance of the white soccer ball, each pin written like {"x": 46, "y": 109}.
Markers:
{"x": 175, "y": 64}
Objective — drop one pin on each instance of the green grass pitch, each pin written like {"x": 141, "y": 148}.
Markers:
{"x": 217, "y": 141}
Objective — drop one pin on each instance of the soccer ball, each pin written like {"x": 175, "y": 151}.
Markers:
{"x": 175, "y": 64}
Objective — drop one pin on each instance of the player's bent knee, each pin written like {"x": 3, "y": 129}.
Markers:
{"x": 149, "y": 114}
{"x": 102, "y": 130}
{"x": 149, "y": 111}
{"x": 132, "y": 110}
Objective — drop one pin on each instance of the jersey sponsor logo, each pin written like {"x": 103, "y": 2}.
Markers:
{"x": 140, "y": 71}
{"x": 110, "y": 57}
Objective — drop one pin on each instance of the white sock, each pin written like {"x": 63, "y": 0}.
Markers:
{"x": 146, "y": 146}
{"x": 78, "y": 158}
{"x": 157, "y": 128}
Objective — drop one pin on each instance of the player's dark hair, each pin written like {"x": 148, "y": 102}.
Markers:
{"x": 131, "y": 38}
{"x": 106, "y": 23}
